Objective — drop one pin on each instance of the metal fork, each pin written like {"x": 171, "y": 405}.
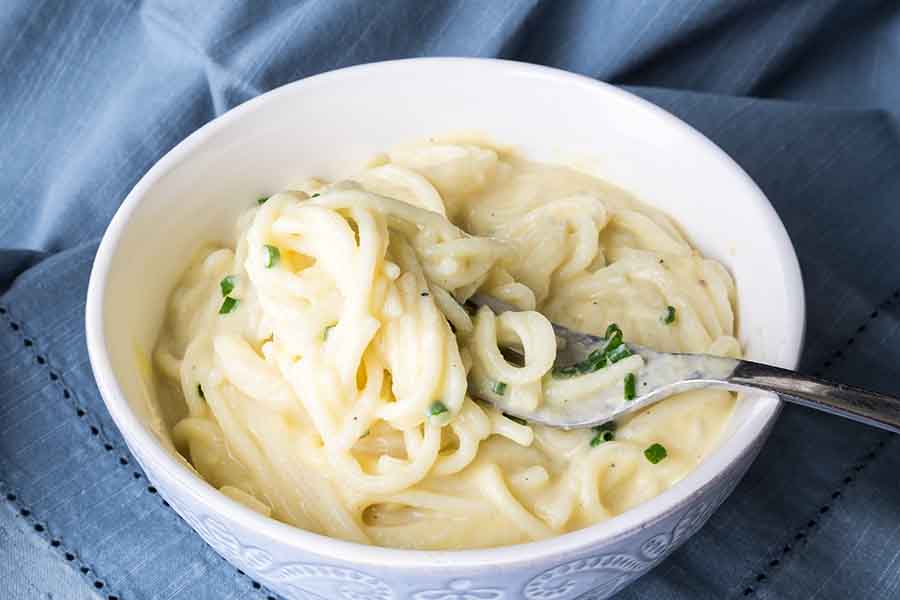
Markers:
{"x": 665, "y": 373}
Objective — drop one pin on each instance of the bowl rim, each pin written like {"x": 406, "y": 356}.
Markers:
{"x": 143, "y": 444}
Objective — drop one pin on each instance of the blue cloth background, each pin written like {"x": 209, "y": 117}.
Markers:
{"x": 803, "y": 94}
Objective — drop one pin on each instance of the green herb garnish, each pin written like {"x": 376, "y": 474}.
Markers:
{"x": 227, "y": 284}
{"x": 568, "y": 371}
{"x": 499, "y": 388}
{"x": 612, "y": 331}
{"x": 200, "y": 392}
{"x": 602, "y": 436}
{"x": 438, "y": 408}
{"x": 613, "y": 350}
{"x": 630, "y": 385}
{"x": 603, "y": 433}
{"x": 613, "y": 337}
{"x": 228, "y": 305}
{"x": 316, "y": 195}
{"x": 618, "y": 353}
{"x": 655, "y": 453}
{"x": 327, "y": 331}
{"x": 595, "y": 361}
{"x": 273, "y": 255}
{"x": 669, "y": 317}
{"x": 516, "y": 419}
{"x": 262, "y": 200}
{"x": 611, "y": 344}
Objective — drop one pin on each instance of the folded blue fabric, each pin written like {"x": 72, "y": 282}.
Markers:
{"x": 800, "y": 93}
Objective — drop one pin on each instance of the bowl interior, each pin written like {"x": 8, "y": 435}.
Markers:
{"x": 326, "y": 126}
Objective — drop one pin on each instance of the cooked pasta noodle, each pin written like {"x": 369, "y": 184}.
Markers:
{"x": 322, "y": 363}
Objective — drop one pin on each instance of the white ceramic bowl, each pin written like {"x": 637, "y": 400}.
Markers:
{"x": 327, "y": 125}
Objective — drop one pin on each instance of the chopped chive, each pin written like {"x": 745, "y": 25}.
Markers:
{"x": 669, "y": 317}
{"x": 655, "y": 453}
{"x": 499, "y": 388}
{"x": 618, "y": 353}
{"x": 273, "y": 255}
{"x": 565, "y": 371}
{"x": 594, "y": 361}
{"x": 596, "y": 355}
{"x": 262, "y": 199}
{"x": 327, "y": 331}
{"x": 602, "y": 436}
{"x": 612, "y": 330}
{"x": 630, "y": 384}
{"x": 316, "y": 195}
{"x": 613, "y": 350}
{"x": 227, "y": 284}
{"x": 516, "y": 419}
{"x": 438, "y": 408}
{"x": 596, "y": 366}
{"x": 612, "y": 343}
{"x": 200, "y": 392}
{"x": 228, "y": 305}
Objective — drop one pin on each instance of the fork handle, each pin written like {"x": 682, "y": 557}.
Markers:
{"x": 847, "y": 401}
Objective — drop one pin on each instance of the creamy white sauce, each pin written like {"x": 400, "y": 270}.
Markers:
{"x": 335, "y": 391}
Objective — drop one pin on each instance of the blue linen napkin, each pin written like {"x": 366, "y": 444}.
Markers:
{"x": 803, "y": 94}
